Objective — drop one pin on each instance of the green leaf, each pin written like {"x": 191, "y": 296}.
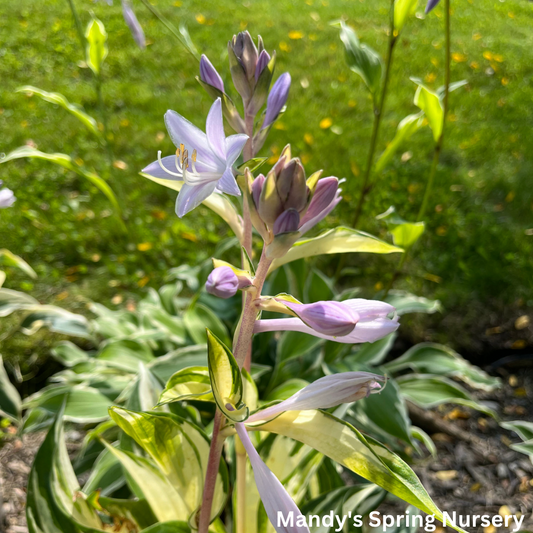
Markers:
{"x": 522, "y": 428}
{"x": 57, "y": 320}
{"x": 388, "y": 410}
{"x": 226, "y": 380}
{"x": 106, "y": 475}
{"x": 286, "y": 390}
{"x": 429, "y": 102}
{"x": 125, "y": 355}
{"x": 432, "y": 358}
{"x": 96, "y": 45}
{"x": 362, "y": 59}
{"x": 199, "y": 317}
{"x": 336, "y": 241}
{"x": 53, "y": 505}
{"x": 10, "y": 259}
{"x": 403, "y": 233}
{"x": 403, "y": 9}
{"x": 145, "y": 392}
{"x": 252, "y": 165}
{"x": 424, "y": 438}
{"x": 405, "y": 302}
{"x": 358, "y": 500}
{"x": 169, "y": 527}
{"x": 363, "y": 455}
{"x": 429, "y": 391}
{"x": 57, "y": 98}
{"x": 405, "y": 130}
{"x": 10, "y": 402}
{"x": 524, "y": 447}
{"x": 11, "y": 301}
{"x": 137, "y": 512}
{"x": 165, "y": 501}
{"x": 372, "y": 353}
{"x": 82, "y": 404}
{"x": 180, "y": 451}
{"x": 191, "y": 383}
{"x": 68, "y": 354}
{"x": 165, "y": 366}
{"x": 65, "y": 161}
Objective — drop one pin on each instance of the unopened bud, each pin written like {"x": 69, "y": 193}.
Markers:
{"x": 222, "y": 282}
{"x": 288, "y": 221}
{"x": 209, "y": 74}
{"x": 277, "y": 99}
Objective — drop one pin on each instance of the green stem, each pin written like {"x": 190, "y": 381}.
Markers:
{"x": 103, "y": 116}
{"x": 378, "y": 113}
{"x": 169, "y": 26}
{"x": 79, "y": 27}
{"x": 440, "y": 141}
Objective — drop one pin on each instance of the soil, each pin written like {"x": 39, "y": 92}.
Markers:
{"x": 479, "y": 474}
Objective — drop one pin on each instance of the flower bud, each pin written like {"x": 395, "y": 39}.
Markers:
{"x": 328, "y": 317}
{"x": 431, "y": 5}
{"x": 222, "y": 282}
{"x": 325, "y": 193}
{"x": 277, "y": 99}
{"x": 257, "y": 187}
{"x": 133, "y": 24}
{"x": 209, "y": 75}
{"x": 288, "y": 221}
{"x": 262, "y": 62}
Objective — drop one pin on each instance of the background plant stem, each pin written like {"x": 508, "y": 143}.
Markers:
{"x": 440, "y": 141}
{"x": 378, "y": 112}
{"x": 79, "y": 27}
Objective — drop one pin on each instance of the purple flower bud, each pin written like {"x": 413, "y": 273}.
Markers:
{"x": 326, "y": 392}
{"x": 328, "y": 318}
{"x": 288, "y": 221}
{"x": 325, "y": 193}
{"x": 222, "y": 282}
{"x": 277, "y": 99}
{"x": 257, "y": 187}
{"x": 7, "y": 198}
{"x": 209, "y": 75}
{"x": 431, "y": 5}
{"x": 133, "y": 24}
{"x": 262, "y": 62}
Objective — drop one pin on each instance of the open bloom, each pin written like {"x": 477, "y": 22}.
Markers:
{"x": 326, "y": 392}
{"x": 372, "y": 324}
{"x": 7, "y": 198}
{"x": 285, "y": 202}
{"x": 203, "y": 161}
{"x": 273, "y": 494}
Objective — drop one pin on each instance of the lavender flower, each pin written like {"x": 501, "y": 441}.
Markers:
{"x": 209, "y": 74}
{"x": 7, "y": 197}
{"x": 326, "y": 392}
{"x": 277, "y": 99}
{"x": 372, "y": 325}
{"x": 273, "y": 494}
{"x": 133, "y": 24}
{"x": 204, "y": 162}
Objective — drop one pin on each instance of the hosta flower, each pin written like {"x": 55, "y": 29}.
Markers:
{"x": 209, "y": 74}
{"x": 133, "y": 24}
{"x": 326, "y": 392}
{"x": 7, "y": 198}
{"x": 373, "y": 323}
{"x": 273, "y": 494}
{"x": 277, "y": 98}
{"x": 224, "y": 282}
{"x": 285, "y": 202}
{"x": 203, "y": 161}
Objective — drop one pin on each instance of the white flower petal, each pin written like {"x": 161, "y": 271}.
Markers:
{"x": 234, "y": 146}
{"x": 228, "y": 184}
{"x": 191, "y": 196}
{"x": 214, "y": 128}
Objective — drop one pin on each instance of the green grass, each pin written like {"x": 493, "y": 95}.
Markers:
{"x": 476, "y": 245}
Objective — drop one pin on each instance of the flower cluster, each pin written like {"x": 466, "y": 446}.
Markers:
{"x": 282, "y": 206}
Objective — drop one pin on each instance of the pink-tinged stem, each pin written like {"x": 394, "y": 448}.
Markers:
{"x": 248, "y": 150}
{"x": 213, "y": 464}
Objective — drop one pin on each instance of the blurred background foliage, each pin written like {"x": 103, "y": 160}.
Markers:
{"x": 476, "y": 254}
